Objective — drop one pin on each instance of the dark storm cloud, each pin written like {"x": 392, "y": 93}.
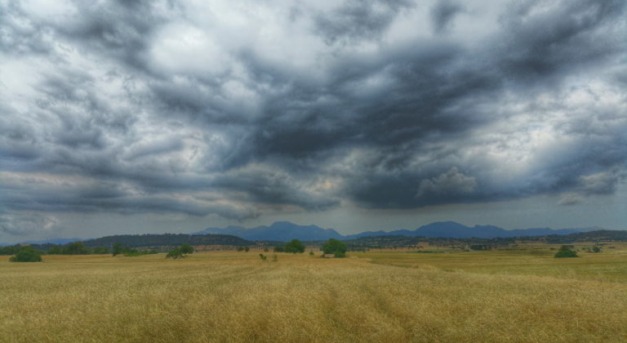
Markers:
{"x": 121, "y": 29}
{"x": 269, "y": 187}
{"x": 443, "y": 13}
{"x": 546, "y": 47}
{"x": 115, "y": 119}
{"x": 410, "y": 105}
{"x": 410, "y": 111}
{"x": 357, "y": 20}
{"x": 566, "y": 35}
{"x": 70, "y": 195}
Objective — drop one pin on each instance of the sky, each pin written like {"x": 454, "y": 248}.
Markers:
{"x": 172, "y": 116}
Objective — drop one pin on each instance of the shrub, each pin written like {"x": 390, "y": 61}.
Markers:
{"x": 335, "y": 247}
{"x": 26, "y": 254}
{"x": 295, "y": 246}
{"x": 175, "y": 253}
{"x": 566, "y": 251}
{"x": 263, "y": 257}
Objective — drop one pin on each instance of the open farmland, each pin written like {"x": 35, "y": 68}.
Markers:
{"x": 522, "y": 295}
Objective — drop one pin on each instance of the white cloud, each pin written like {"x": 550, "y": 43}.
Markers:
{"x": 181, "y": 48}
{"x": 27, "y": 224}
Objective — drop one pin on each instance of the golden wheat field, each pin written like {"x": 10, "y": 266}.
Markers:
{"x": 385, "y": 296}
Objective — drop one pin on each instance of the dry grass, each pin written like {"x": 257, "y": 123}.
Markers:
{"x": 229, "y": 296}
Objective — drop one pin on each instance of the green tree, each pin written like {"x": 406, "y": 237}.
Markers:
{"x": 186, "y": 249}
{"x": 295, "y": 246}
{"x": 11, "y": 250}
{"x": 566, "y": 251}
{"x": 26, "y": 254}
{"x": 75, "y": 248}
{"x": 55, "y": 250}
{"x": 335, "y": 247}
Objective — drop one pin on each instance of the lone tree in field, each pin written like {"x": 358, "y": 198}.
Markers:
{"x": 26, "y": 254}
{"x": 186, "y": 249}
{"x": 566, "y": 251}
{"x": 180, "y": 252}
{"x": 295, "y": 246}
{"x": 335, "y": 247}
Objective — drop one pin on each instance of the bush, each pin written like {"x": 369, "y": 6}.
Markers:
{"x": 175, "y": 253}
{"x": 295, "y": 246}
{"x": 335, "y": 247}
{"x": 566, "y": 251}
{"x": 26, "y": 254}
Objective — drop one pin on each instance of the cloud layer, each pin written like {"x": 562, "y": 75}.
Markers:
{"x": 239, "y": 109}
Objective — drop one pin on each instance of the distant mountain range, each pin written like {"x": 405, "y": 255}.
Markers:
{"x": 286, "y": 231}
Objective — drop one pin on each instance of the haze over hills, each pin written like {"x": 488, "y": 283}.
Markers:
{"x": 285, "y": 231}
